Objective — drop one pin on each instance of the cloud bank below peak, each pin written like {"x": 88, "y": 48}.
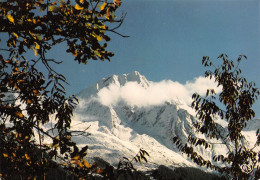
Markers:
{"x": 156, "y": 93}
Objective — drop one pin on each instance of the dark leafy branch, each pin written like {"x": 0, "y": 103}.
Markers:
{"x": 237, "y": 97}
{"x": 37, "y": 26}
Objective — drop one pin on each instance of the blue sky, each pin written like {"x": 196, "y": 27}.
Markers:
{"x": 169, "y": 38}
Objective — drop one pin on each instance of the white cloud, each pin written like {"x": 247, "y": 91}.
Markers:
{"x": 157, "y": 93}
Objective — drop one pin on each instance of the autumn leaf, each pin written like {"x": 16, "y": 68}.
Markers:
{"x": 76, "y": 157}
{"x": 21, "y": 80}
{"x": 75, "y": 53}
{"x": 102, "y": 7}
{"x": 96, "y": 52}
{"x": 86, "y": 164}
{"x": 53, "y": 8}
{"x": 37, "y": 46}
{"x": 27, "y": 157}
{"x": 54, "y": 145}
{"x": 16, "y": 69}
{"x": 19, "y": 114}
{"x": 79, "y": 163}
{"x": 117, "y": 2}
{"x": 10, "y": 18}
{"x": 36, "y": 93}
{"x": 108, "y": 13}
{"x": 35, "y": 52}
{"x": 29, "y": 101}
{"x": 5, "y": 155}
{"x": 16, "y": 35}
{"x": 99, "y": 38}
{"x": 99, "y": 171}
{"x": 8, "y": 61}
{"x": 78, "y": 7}
{"x": 16, "y": 87}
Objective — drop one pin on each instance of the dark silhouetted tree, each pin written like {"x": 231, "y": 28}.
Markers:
{"x": 233, "y": 105}
{"x": 30, "y": 98}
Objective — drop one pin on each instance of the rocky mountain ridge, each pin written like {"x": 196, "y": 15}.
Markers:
{"x": 120, "y": 129}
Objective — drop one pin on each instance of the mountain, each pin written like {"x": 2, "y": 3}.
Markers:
{"x": 119, "y": 121}
{"x": 121, "y": 129}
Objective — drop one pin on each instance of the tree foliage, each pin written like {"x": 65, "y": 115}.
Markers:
{"x": 29, "y": 98}
{"x": 233, "y": 105}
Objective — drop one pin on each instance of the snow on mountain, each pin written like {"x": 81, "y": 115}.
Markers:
{"x": 127, "y": 112}
{"x": 121, "y": 129}
{"x": 116, "y": 80}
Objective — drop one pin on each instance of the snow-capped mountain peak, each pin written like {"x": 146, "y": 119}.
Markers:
{"x": 120, "y": 129}
{"x": 117, "y": 80}
{"x": 127, "y": 112}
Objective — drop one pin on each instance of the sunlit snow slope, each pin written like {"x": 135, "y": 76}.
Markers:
{"x": 121, "y": 119}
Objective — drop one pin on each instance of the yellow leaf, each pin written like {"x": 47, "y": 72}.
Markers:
{"x": 5, "y": 155}
{"x": 86, "y": 164}
{"x": 79, "y": 163}
{"x": 99, "y": 171}
{"x": 36, "y": 93}
{"x": 81, "y": 1}
{"x": 14, "y": 43}
{"x": 34, "y": 21}
{"x": 76, "y": 157}
{"x": 7, "y": 61}
{"x": 35, "y": 52}
{"x": 16, "y": 35}
{"x": 54, "y": 145}
{"x": 27, "y": 157}
{"x": 37, "y": 46}
{"x": 19, "y": 114}
{"x": 21, "y": 80}
{"x": 108, "y": 13}
{"x": 96, "y": 52}
{"x": 75, "y": 53}
{"x": 29, "y": 101}
{"x": 10, "y": 18}
{"x": 16, "y": 69}
{"x": 102, "y": 7}
{"x": 16, "y": 87}
{"x": 117, "y": 2}
{"x": 78, "y": 7}
{"x": 99, "y": 38}
{"x": 52, "y": 8}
